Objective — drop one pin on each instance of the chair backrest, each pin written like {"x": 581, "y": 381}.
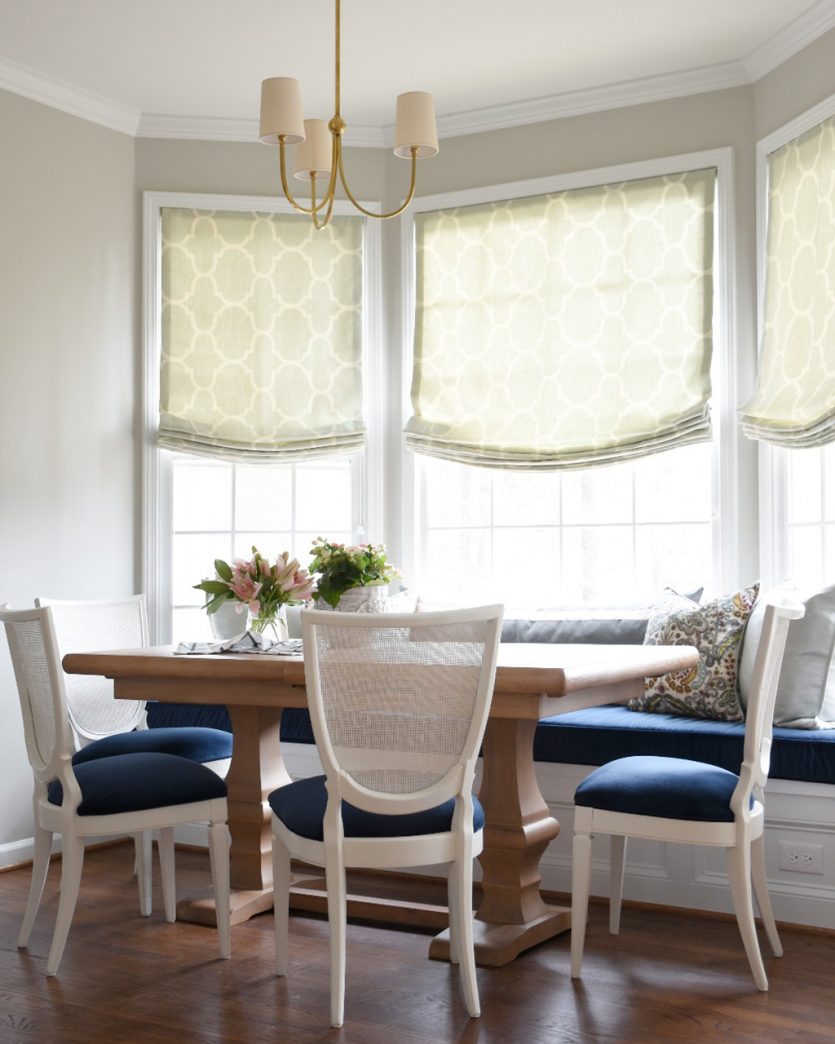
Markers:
{"x": 779, "y": 613}
{"x": 40, "y": 686}
{"x": 399, "y": 702}
{"x": 98, "y": 627}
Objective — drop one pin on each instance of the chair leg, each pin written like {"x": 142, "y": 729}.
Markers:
{"x": 453, "y": 903}
{"x": 143, "y": 847}
{"x": 219, "y": 842}
{"x": 72, "y": 860}
{"x": 281, "y": 904}
{"x": 462, "y": 896}
{"x": 337, "y": 915}
{"x": 40, "y": 868}
{"x": 168, "y": 873}
{"x": 580, "y": 881}
{"x": 763, "y": 899}
{"x": 739, "y": 871}
{"x": 616, "y": 870}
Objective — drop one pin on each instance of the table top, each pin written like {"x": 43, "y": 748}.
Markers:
{"x": 532, "y": 680}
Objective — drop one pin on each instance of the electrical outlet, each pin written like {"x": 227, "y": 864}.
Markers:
{"x": 803, "y": 859}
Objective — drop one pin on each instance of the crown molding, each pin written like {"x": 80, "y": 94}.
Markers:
{"x": 210, "y": 128}
{"x": 803, "y": 30}
{"x": 58, "y": 94}
{"x": 819, "y": 19}
{"x": 593, "y": 99}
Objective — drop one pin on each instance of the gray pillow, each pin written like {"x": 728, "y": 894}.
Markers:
{"x": 806, "y": 663}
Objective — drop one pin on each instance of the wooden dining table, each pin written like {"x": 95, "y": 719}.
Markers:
{"x": 532, "y": 681}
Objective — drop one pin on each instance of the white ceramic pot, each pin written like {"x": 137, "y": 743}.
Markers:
{"x": 227, "y": 622}
{"x": 371, "y": 599}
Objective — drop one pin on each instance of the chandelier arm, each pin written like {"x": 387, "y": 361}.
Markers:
{"x": 286, "y": 188}
{"x": 323, "y": 222}
{"x": 391, "y": 213}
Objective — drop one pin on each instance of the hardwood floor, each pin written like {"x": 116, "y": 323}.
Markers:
{"x": 124, "y": 978}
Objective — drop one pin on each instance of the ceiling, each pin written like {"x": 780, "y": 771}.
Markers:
{"x": 192, "y": 68}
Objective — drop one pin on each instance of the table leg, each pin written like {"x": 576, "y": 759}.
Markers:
{"x": 256, "y": 770}
{"x": 512, "y": 916}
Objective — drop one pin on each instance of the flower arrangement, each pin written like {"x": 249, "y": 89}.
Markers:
{"x": 258, "y": 586}
{"x": 339, "y": 568}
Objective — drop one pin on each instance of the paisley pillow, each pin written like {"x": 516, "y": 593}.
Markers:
{"x": 710, "y": 689}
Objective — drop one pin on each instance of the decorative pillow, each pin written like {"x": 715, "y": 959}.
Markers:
{"x": 708, "y": 690}
{"x": 810, "y": 645}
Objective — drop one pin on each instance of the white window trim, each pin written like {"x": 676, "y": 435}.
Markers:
{"x": 728, "y": 333}
{"x": 773, "y": 508}
{"x": 157, "y": 471}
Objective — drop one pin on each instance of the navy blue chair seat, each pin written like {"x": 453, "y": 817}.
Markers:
{"x": 194, "y": 743}
{"x": 136, "y": 782}
{"x": 671, "y": 788}
{"x": 301, "y": 808}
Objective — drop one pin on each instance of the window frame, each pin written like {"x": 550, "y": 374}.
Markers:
{"x": 725, "y": 460}
{"x": 156, "y": 463}
{"x": 773, "y": 460}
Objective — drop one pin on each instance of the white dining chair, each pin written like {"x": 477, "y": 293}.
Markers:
{"x": 103, "y": 726}
{"x": 677, "y": 800}
{"x": 399, "y": 704}
{"x": 119, "y": 795}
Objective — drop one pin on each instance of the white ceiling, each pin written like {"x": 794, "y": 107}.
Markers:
{"x": 193, "y": 67}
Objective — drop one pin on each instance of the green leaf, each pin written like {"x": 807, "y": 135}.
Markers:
{"x": 223, "y": 570}
{"x": 213, "y": 587}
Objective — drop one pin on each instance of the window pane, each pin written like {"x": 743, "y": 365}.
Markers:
{"x": 323, "y": 497}
{"x": 263, "y": 497}
{"x": 674, "y": 486}
{"x": 597, "y": 565}
{"x": 526, "y": 567}
{"x": 597, "y": 496}
{"x": 456, "y": 570}
{"x": 194, "y": 556}
{"x": 191, "y": 625}
{"x": 672, "y": 556}
{"x": 804, "y": 492}
{"x": 202, "y": 495}
{"x": 828, "y": 470}
{"x": 523, "y": 495}
{"x": 806, "y": 557}
{"x": 455, "y": 494}
{"x": 269, "y": 544}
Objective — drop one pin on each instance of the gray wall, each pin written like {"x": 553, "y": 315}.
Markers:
{"x": 68, "y": 374}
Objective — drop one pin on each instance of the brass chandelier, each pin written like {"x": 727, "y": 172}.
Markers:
{"x": 318, "y": 153}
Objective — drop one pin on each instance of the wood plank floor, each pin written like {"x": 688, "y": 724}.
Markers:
{"x": 124, "y": 978}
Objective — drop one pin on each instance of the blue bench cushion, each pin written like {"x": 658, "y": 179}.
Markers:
{"x": 301, "y": 807}
{"x": 196, "y": 744}
{"x": 134, "y": 782}
{"x": 670, "y": 788}
{"x": 599, "y": 735}
{"x": 602, "y": 734}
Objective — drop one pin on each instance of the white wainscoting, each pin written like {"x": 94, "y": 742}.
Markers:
{"x": 669, "y": 875}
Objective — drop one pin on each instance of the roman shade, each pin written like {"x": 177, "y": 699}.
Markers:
{"x": 565, "y": 330}
{"x": 261, "y": 356}
{"x": 794, "y": 401}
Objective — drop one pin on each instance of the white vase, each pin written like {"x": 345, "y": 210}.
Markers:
{"x": 227, "y": 622}
{"x": 371, "y": 599}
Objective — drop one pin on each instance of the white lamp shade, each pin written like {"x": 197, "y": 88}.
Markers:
{"x": 415, "y": 125}
{"x": 281, "y": 110}
{"x": 315, "y": 153}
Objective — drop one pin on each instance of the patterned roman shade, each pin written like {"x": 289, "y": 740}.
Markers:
{"x": 261, "y": 336}
{"x": 794, "y": 403}
{"x": 565, "y": 330}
